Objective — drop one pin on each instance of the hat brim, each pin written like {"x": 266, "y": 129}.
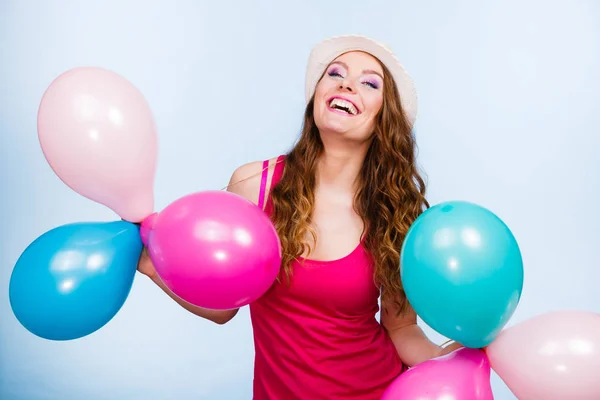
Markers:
{"x": 328, "y": 50}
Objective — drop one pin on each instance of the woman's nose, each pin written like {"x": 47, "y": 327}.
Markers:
{"x": 347, "y": 86}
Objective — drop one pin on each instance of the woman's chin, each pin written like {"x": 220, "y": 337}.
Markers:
{"x": 334, "y": 128}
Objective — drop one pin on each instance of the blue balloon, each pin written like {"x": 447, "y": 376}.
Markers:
{"x": 73, "y": 279}
{"x": 462, "y": 271}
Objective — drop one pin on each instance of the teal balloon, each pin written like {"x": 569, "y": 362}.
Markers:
{"x": 462, "y": 271}
{"x": 74, "y": 279}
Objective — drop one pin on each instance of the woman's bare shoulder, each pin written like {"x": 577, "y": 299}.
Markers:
{"x": 245, "y": 180}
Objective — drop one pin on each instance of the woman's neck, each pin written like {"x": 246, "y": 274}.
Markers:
{"x": 338, "y": 169}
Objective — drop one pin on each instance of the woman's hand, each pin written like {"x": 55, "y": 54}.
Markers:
{"x": 450, "y": 348}
{"x": 145, "y": 265}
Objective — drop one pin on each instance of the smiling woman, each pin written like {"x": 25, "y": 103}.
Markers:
{"x": 342, "y": 201}
{"x": 351, "y": 87}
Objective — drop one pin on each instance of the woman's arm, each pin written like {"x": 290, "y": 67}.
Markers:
{"x": 245, "y": 182}
{"x": 220, "y": 317}
{"x": 411, "y": 343}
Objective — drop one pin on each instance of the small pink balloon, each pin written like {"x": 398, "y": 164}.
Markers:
{"x": 98, "y": 134}
{"x": 214, "y": 249}
{"x": 461, "y": 375}
{"x": 553, "y": 356}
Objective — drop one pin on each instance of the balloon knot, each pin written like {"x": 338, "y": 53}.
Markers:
{"x": 147, "y": 226}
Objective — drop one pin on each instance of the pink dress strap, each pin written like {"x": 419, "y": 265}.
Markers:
{"x": 263, "y": 184}
{"x": 277, "y": 174}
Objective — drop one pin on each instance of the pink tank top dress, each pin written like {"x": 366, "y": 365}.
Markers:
{"x": 318, "y": 337}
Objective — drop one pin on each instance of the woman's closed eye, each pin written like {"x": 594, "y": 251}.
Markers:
{"x": 335, "y": 73}
{"x": 372, "y": 83}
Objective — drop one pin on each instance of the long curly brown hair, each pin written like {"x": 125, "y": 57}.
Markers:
{"x": 390, "y": 195}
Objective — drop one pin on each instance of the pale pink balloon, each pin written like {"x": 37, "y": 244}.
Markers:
{"x": 214, "y": 249}
{"x": 98, "y": 134}
{"x": 554, "y": 356}
{"x": 461, "y": 375}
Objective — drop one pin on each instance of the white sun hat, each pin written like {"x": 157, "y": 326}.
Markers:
{"x": 329, "y": 49}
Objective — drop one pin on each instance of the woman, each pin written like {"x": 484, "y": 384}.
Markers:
{"x": 342, "y": 201}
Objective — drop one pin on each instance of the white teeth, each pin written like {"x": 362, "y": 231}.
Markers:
{"x": 343, "y": 104}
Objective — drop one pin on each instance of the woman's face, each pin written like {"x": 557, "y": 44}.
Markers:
{"x": 349, "y": 96}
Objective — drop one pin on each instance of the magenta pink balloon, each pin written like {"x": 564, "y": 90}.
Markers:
{"x": 553, "y": 356}
{"x": 98, "y": 134}
{"x": 460, "y": 375}
{"x": 214, "y": 249}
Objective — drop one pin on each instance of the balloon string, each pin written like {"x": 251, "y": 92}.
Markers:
{"x": 251, "y": 176}
{"x": 446, "y": 342}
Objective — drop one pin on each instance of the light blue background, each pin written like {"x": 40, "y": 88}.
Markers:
{"x": 509, "y": 94}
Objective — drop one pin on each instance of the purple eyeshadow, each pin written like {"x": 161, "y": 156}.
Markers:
{"x": 373, "y": 83}
{"x": 334, "y": 71}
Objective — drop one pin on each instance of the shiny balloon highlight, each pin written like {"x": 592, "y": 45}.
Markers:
{"x": 214, "y": 249}
{"x": 553, "y": 356}
{"x": 461, "y": 375}
{"x": 462, "y": 270}
{"x": 72, "y": 280}
{"x": 98, "y": 134}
